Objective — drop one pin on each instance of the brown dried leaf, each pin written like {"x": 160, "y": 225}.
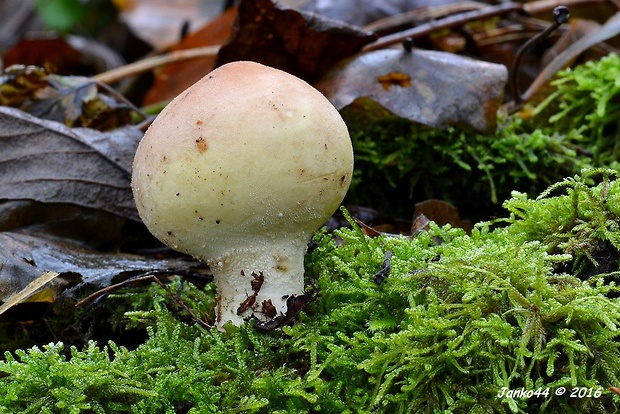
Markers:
{"x": 53, "y": 53}
{"x": 440, "y": 212}
{"x": 47, "y": 162}
{"x": 61, "y": 54}
{"x": 433, "y": 88}
{"x": 301, "y": 43}
{"x": 420, "y": 224}
{"x": 368, "y": 231}
{"x": 160, "y": 22}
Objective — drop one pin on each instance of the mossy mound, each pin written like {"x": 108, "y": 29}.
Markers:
{"x": 520, "y": 316}
{"x": 453, "y": 322}
{"x": 399, "y": 163}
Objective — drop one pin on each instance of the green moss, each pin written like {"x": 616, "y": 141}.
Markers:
{"x": 586, "y": 100}
{"x": 453, "y": 323}
{"x": 577, "y": 126}
{"x": 455, "y": 319}
{"x": 398, "y": 163}
{"x": 582, "y": 224}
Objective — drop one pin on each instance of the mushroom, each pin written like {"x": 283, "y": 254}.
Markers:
{"x": 239, "y": 171}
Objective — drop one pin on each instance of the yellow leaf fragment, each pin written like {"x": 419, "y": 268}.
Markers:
{"x": 28, "y": 291}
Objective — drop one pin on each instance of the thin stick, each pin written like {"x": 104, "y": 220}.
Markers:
{"x": 145, "y": 65}
{"x": 422, "y": 14}
{"x": 113, "y": 288}
{"x": 445, "y": 23}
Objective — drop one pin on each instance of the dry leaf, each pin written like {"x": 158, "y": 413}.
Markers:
{"x": 433, "y": 88}
{"x": 174, "y": 78}
{"x": 441, "y": 212}
{"x": 47, "y": 162}
{"x": 25, "y": 258}
{"x": 62, "y": 54}
{"x": 73, "y": 100}
{"x": 302, "y": 43}
{"x": 28, "y": 291}
{"x": 367, "y": 11}
{"x": 420, "y": 223}
{"x": 53, "y": 53}
{"x": 159, "y": 22}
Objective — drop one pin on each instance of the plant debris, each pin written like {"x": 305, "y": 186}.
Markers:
{"x": 72, "y": 100}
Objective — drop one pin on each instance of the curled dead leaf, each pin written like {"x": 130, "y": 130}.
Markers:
{"x": 29, "y": 290}
{"x": 441, "y": 212}
{"x": 75, "y": 101}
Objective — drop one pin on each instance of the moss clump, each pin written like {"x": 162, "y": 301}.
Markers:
{"x": 399, "y": 162}
{"x": 577, "y": 126}
{"x": 178, "y": 366}
{"x": 583, "y": 224}
{"x": 453, "y": 320}
{"x": 586, "y": 100}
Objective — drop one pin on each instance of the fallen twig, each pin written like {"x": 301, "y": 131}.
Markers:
{"x": 445, "y": 23}
{"x": 145, "y": 65}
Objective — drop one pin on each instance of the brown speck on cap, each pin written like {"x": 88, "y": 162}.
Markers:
{"x": 201, "y": 143}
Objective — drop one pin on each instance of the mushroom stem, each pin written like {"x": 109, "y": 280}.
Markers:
{"x": 257, "y": 281}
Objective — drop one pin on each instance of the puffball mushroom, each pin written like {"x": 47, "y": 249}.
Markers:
{"x": 239, "y": 171}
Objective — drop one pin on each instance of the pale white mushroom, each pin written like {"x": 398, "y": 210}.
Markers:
{"x": 239, "y": 171}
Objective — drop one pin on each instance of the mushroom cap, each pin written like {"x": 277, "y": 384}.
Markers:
{"x": 247, "y": 152}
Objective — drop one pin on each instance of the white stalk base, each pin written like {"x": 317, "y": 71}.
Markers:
{"x": 257, "y": 281}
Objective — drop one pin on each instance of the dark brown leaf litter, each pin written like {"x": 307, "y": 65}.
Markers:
{"x": 294, "y": 305}
{"x": 301, "y": 43}
{"x": 441, "y": 212}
